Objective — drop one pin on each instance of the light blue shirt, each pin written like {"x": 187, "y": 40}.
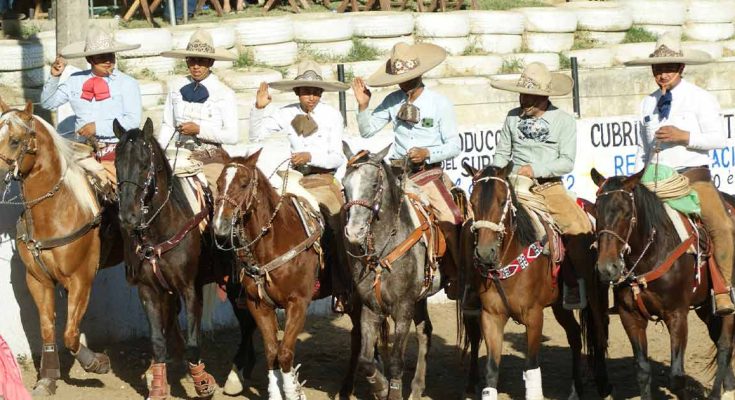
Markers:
{"x": 436, "y": 130}
{"x": 124, "y": 102}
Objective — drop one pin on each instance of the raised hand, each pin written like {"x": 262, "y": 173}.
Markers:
{"x": 262, "y": 97}
{"x": 57, "y": 68}
{"x": 362, "y": 94}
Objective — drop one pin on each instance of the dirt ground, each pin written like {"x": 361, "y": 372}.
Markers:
{"x": 323, "y": 351}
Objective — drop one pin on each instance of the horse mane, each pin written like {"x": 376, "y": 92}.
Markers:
{"x": 524, "y": 229}
{"x": 650, "y": 209}
{"x": 76, "y": 177}
{"x": 264, "y": 184}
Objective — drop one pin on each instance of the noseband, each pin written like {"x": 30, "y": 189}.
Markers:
{"x": 497, "y": 227}
{"x": 149, "y": 183}
{"x": 372, "y": 205}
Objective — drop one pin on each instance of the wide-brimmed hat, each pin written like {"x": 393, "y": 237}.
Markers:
{"x": 668, "y": 51}
{"x": 201, "y": 45}
{"x": 407, "y": 62}
{"x": 99, "y": 41}
{"x": 537, "y": 80}
{"x": 309, "y": 75}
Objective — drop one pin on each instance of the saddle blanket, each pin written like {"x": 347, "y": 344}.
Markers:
{"x": 681, "y": 230}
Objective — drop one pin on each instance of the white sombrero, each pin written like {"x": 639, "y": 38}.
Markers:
{"x": 669, "y": 51}
{"x": 407, "y": 62}
{"x": 309, "y": 75}
{"x": 537, "y": 80}
{"x": 201, "y": 45}
{"x": 98, "y": 42}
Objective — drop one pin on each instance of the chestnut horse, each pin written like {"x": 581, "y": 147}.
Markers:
{"x": 516, "y": 278}
{"x": 63, "y": 236}
{"x": 636, "y": 237}
{"x": 279, "y": 266}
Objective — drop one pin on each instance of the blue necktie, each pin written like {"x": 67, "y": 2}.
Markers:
{"x": 664, "y": 106}
{"x": 194, "y": 93}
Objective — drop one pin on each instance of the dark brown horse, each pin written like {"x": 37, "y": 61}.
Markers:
{"x": 517, "y": 279}
{"x": 60, "y": 233}
{"x": 279, "y": 266}
{"x": 635, "y": 238}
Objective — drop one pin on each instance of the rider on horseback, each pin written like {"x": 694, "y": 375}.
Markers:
{"x": 425, "y": 130}
{"x": 315, "y": 132}
{"x": 541, "y": 141}
{"x": 98, "y": 96}
{"x": 680, "y": 123}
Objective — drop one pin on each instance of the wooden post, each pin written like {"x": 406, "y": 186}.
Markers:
{"x": 72, "y": 20}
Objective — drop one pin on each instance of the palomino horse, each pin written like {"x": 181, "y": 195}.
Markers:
{"x": 59, "y": 234}
{"x": 516, "y": 279}
{"x": 164, "y": 251}
{"x": 638, "y": 244}
{"x": 279, "y": 266}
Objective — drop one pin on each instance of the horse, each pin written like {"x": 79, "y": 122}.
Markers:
{"x": 279, "y": 265}
{"x": 64, "y": 234}
{"x": 637, "y": 244}
{"x": 516, "y": 278}
{"x": 165, "y": 252}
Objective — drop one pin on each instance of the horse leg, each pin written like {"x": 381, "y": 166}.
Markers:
{"x": 244, "y": 361}
{"x": 403, "y": 318}
{"x": 492, "y": 331}
{"x": 348, "y": 383}
{"x": 532, "y": 375}
{"x": 204, "y": 383}
{"x": 370, "y": 327}
{"x": 152, "y": 301}
{"x": 295, "y": 319}
{"x": 472, "y": 336}
{"x": 265, "y": 318}
{"x": 678, "y": 332}
{"x": 635, "y": 327}
{"x": 423, "y": 333}
{"x": 79, "y": 291}
{"x": 43, "y": 296}
{"x": 574, "y": 338}
{"x": 721, "y": 332}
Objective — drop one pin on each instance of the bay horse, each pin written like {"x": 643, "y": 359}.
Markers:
{"x": 165, "y": 251}
{"x": 279, "y": 266}
{"x": 515, "y": 278}
{"x": 636, "y": 240}
{"x": 64, "y": 234}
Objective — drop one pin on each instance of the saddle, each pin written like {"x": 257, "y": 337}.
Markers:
{"x": 546, "y": 230}
{"x": 433, "y": 177}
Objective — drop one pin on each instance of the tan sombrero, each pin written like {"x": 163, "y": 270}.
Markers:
{"x": 407, "y": 62}
{"x": 309, "y": 75}
{"x": 98, "y": 41}
{"x": 669, "y": 51}
{"x": 201, "y": 45}
{"x": 537, "y": 80}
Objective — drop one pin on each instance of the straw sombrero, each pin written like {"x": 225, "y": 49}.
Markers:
{"x": 309, "y": 75}
{"x": 537, "y": 80}
{"x": 200, "y": 45}
{"x": 98, "y": 41}
{"x": 407, "y": 62}
{"x": 669, "y": 51}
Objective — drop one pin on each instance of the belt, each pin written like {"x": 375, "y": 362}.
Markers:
{"x": 699, "y": 173}
{"x": 398, "y": 163}
{"x": 311, "y": 170}
{"x": 554, "y": 179}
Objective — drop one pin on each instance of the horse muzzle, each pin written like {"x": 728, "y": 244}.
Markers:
{"x": 356, "y": 235}
{"x": 610, "y": 272}
{"x": 487, "y": 256}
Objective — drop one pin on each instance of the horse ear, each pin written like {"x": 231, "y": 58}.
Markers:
{"x": 597, "y": 177}
{"x": 347, "y": 150}
{"x": 252, "y": 159}
{"x": 383, "y": 153}
{"x": 467, "y": 167}
{"x": 29, "y": 108}
{"x": 632, "y": 181}
{"x": 148, "y": 127}
{"x": 3, "y": 106}
{"x": 117, "y": 129}
{"x": 507, "y": 169}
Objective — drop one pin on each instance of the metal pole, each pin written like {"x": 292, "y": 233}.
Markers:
{"x": 185, "y": 7}
{"x": 575, "y": 91}
{"x": 171, "y": 13}
{"x": 342, "y": 99}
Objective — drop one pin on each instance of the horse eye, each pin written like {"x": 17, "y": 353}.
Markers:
{"x": 14, "y": 142}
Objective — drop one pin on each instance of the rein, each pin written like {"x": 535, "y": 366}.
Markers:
{"x": 497, "y": 227}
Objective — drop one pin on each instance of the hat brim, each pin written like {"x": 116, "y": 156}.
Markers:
{"x": 218, "y": 55}
{"x": 327, "y": 86}
{"x": 430, "y": 55}
{"x": 76, "y": 49}
{"x": 691, "y": 57}
{"x": 560, "y": 86}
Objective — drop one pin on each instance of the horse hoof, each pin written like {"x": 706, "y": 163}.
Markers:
{"x": 204, "y": 383}
{"x": 90, "y": 361}
{"x": 45, "y": 387}
{"x": 101, "y": 365}
{"x": 234, "y": 384}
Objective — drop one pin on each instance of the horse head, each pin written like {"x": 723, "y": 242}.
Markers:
{"x": 616, "y": 220}
{"x": 141, "y": 168}
{"x": 17, "y": 143}
{"x": 365, "y": 183}
{"x": 492, "y": 204}
{"x": 238, "y": 187}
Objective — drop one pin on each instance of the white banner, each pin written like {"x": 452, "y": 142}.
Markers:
{"x": 609, "y": 144}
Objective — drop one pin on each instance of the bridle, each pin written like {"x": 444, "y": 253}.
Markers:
{"x": 498, "y": 227}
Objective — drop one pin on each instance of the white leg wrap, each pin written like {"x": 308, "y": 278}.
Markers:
{"x": 274, "y": 387}
{"x": 490, "y": 393}
{"x": 233, "y": 386}
{"x": 292, "y": 388}
{"x": 729, "y": 395}
{"x": 534, "y": 390}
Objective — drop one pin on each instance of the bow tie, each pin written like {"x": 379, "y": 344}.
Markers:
{"x": 95, "y": 88}
{"x": 194, "y": 93}
{"x": 664, "y": 105}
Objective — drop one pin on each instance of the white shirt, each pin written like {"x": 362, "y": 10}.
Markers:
{"x": 694, "y": 110}
{"x": 216, "y": 117}
{"x": 325, "y": 145}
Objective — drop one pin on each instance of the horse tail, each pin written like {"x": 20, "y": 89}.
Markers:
{"x": 384, "y": 335}
{"x": 594, "y": 321}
